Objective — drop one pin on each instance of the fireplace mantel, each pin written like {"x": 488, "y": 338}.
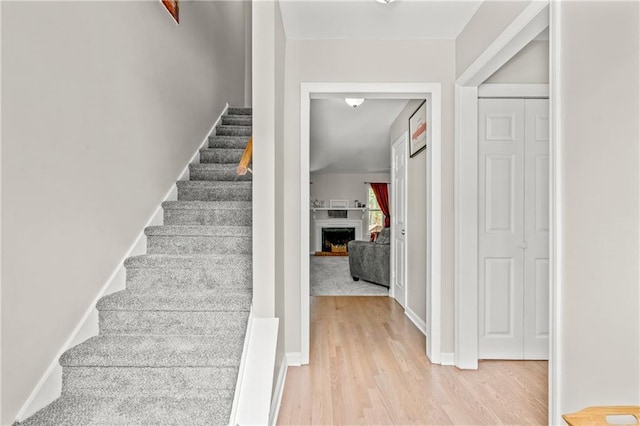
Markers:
{"x": 335, "y": 223}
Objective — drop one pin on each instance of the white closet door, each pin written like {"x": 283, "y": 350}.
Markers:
{"x": 501, "y": 228}
{"x": 536, "y": 230}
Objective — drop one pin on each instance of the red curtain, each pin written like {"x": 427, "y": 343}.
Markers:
{"x": 381, "y": 190}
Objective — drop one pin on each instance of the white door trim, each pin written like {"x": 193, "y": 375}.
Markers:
{"x": 384, "y": 91}
{"x": 403, "y": 138}
{"x": 525, "y": 91}
{"x": 520, "y": 32}
{"x": 555, "y": 216}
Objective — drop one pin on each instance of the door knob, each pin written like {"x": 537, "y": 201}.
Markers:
{"x": 402, "y": 232}
{"x": 523, "y": 245}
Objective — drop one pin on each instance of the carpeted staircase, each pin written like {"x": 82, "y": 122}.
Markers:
{"x": 170, "y": 345}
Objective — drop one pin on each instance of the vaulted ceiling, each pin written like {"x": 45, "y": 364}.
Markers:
{"x": 346, "y": 139}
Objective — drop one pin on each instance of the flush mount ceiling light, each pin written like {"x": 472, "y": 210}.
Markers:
{"x": 354, "y": 102}
{"x": 385, "y": 1}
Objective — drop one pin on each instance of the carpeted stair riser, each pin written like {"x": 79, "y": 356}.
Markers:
{"x": 214, "y": 191}
{"x": 134, "y": 410}
{"x": 236, "y": 120}
{"x": 198, "y": 245}
{"x": 233, "y": 131}
{"x": 155, "y": 273}
{"x": 228, "y": 142}
{"x": 239, "y": 111}
{"x": 198, "y": 239}
{"x": 178, "y": 300}
{"x": 221, "y": 155}
{"x": 177, "y": 215}
{"x": 216, "y": 172}
{"x": 156, "y": 351}
{"x": 171, "y": 322}
{"x": 191, "y": 279}
{"x": 174, "y": 381}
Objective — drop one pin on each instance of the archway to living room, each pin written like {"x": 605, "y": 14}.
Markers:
{"x": 351, "y": 197}
{"x": 336, "y": 92}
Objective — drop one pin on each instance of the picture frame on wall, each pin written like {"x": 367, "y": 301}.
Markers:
{"x": 173, "y": 7}
{"x": 418, "y": 130}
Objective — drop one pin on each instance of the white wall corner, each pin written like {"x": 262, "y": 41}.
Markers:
{"x": 49, "y": 387}
{"x": 419, "y": 322}
{"x": 278, "y": 391}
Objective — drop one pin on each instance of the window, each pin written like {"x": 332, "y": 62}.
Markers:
{"x": 376, "y": 218}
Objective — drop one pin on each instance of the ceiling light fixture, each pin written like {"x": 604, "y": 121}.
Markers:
{"x": 385, "y": 1}
{"x": 354, "y": 102}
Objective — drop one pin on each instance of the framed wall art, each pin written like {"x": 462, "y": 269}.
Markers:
{"x": 173, "y": 7}
{"x": 418, "y": 130}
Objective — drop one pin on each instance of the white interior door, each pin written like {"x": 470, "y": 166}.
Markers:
{"x": 536, "y": 229}
{"x": 398, "y": 219}
{"x": 501, "y": 228}
{"x": 513, "y": 229}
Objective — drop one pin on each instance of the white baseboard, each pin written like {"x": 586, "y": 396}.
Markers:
{"x": 256, "y": 384}
{"x": 49, "y": 387}
{"x": 447, "y": 358}
{"x": 422, "y": 326}
{"x": 294, "y": 359}
{"x": 277, "y": 391}
{"x": 241, "y": 368}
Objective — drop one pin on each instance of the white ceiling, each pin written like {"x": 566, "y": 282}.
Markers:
{"x": 368, "y": 19}
{"x": 352, "y": 140}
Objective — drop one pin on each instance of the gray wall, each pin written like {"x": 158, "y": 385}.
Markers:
{"x": 530, "y": 65}
{"x": 491, "y": 19}
{"x": 600, "y": 135}
{"x": 417, "y": 218}
{"x": 365, "y": 61}
{"x": 280, "y": 50}
{"x": 103, "y": 104}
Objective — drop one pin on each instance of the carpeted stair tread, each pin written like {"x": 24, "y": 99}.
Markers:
{"x": 199, "y": 231}
{"x": 177, "y": 300}
{"x": 71, "y": 410}
{"x": 212, "y": 184}
{"x": 208, "y": 205}
{"x": 156, "y": 351}
{"x": 185, "y": 261}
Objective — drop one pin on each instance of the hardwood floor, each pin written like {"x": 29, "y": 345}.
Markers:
{"x": 368, "y": 366}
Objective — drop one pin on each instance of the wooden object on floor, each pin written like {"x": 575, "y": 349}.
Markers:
{"x": 368, "y": 366}
{"x": 594, "y": 416}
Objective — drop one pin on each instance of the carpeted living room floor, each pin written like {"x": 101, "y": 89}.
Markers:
{"x": 329, "y": 276}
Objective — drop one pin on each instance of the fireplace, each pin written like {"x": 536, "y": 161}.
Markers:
{"x": 334, "y": 240}
{"x": 320, "y": 225}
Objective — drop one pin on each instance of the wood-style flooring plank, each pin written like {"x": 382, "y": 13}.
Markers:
{"x": 368, "y": 366}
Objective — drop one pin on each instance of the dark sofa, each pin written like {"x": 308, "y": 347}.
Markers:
{"x": 371, "y": 261}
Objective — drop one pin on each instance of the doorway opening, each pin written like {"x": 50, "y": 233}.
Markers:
{"x": 372, "y": 91}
